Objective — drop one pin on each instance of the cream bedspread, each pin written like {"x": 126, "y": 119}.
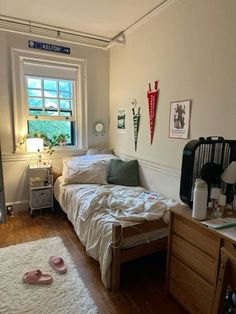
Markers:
{"x": 92, "y": 209}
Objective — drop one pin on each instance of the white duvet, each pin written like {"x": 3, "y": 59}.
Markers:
{"x": 93, "y": 208}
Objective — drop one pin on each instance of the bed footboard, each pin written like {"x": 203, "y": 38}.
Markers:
{"x": 120, "y": 255}
{"x": 116, "y": 250}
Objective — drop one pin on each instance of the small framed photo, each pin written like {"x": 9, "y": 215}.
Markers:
{"x": 179, "y": 119}
{"x": 121, "y": 120}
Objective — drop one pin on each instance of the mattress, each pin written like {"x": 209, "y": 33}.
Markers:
{"x": 143, "y": 238}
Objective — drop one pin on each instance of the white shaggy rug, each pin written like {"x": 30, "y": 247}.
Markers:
{"x": 65, "y": 295}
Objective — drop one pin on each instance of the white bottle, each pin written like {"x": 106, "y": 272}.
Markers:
{"x": 200, "y": 200}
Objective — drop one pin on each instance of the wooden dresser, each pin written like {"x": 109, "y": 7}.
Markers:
{"x": 193, "y": 261}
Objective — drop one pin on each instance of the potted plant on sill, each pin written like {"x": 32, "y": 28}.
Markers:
{"x": 57, "y": 140}
{"x": 60, "y": 139}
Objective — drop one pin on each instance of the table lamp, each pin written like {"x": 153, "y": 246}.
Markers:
{"x": 229, "y": 177}
{"x": 35, "y": 145}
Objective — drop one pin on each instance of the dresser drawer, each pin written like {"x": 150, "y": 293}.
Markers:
{"x": 189, "y": 289}
{"x": 231, "y": 247}
{"x": 201, "y": 263}
{"x": 198, "y": 236}
{"x": 41, "y": 198}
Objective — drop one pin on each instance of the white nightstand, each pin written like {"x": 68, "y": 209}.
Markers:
{"x": 41, "y": 187}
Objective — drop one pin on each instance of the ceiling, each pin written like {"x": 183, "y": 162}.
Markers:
{"x": 103, "y": 18}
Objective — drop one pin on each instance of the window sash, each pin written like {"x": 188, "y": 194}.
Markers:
{"x": 58, "y": 99}
{"x": 70, "y": 132}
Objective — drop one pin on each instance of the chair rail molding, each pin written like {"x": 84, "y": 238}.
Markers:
{"x": 152, "y": 165}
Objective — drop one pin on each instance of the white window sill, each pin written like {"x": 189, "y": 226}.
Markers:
{"x": 59, "y": 152}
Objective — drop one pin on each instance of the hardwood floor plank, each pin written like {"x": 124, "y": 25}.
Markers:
{"x": 142, "y": 280}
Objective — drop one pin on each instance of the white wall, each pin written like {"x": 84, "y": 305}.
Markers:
{"x": 14, "y": 165}
{"x": 190, "y": 48}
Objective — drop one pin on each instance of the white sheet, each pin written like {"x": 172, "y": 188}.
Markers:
{"x": 93, "y": 208}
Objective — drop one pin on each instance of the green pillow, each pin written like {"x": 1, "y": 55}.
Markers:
{"x": 123, "y": 172}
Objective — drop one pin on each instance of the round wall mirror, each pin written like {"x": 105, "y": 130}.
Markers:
{"x": 98, "y": 128}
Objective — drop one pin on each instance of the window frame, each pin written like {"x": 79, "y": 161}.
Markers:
{"x": 20, "y": 114}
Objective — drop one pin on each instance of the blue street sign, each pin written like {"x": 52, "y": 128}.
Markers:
{"x": 48, "y": 47}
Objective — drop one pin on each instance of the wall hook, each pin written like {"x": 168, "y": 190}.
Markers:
{"x": 134, "y": 102}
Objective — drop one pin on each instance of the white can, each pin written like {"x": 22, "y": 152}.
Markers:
{"x": 200, "y": 200}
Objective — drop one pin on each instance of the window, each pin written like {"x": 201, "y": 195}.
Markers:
{"x": 50, "y": 106}
{"x": 49, "y": 95}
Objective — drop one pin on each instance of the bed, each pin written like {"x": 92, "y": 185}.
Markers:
{"x": 116, "y": 223}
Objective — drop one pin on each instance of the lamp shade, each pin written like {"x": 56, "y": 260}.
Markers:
{"x": 229, "y": 174}
{"x": 34, "y": 145}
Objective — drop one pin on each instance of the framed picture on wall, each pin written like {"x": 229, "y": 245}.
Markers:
{"x": 179, "y": 123}
{"x": 121, "y": 120}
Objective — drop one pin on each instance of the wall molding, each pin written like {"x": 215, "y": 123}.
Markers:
{"x": 67, "y": 152}
{"x": 19, "y": 205}
{"x": 151, "y": 164}
{"x": 57, "y": 154}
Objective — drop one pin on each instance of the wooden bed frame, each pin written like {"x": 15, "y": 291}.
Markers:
{"x": 120, "y": 255}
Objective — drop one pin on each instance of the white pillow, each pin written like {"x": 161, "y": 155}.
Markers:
{"x": 86, "y": 169}
{"x": 96, "y": 151}
{"x": 74, "y": 162}
{"x": 88, "y": 173}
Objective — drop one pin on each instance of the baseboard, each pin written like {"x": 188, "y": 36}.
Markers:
{"x": 18, "y": 206}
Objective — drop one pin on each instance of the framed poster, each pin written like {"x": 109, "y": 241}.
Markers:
{"x": 179, "y": 119}
{"x": 121, "y": 120}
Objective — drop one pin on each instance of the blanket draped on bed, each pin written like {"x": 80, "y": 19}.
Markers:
{"x": 93, "y": 208}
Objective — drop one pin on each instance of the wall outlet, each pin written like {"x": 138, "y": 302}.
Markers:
{"x": 10, "y": 210}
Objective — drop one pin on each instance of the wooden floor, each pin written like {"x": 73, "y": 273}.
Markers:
{"x": 142, "y": 281}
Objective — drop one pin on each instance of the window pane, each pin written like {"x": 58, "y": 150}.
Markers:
{"x": 65, "y": 104}
{"x": 50, "y": 93}
{"x": 65, "y": 94}
{"x": 65, "y": 113}
{"x": 52, "y": 128}
{"x": 51, "y": 113}
{"x": 50, "y": 84}
{"x": 34, "y": 92}
{"x": 34, "y": 83}
{"x": 50, "y": 103}
{"x": 65, "y": 86}
{"x": 35, "y": 102}
{"x": 35, "y": 112}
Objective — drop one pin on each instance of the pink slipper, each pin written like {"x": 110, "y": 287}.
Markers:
{"x": 36, "y": 277}
{"x": 58, "y": 264}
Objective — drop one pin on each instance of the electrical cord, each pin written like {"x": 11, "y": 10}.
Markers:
{"x": 121, "y": 238}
